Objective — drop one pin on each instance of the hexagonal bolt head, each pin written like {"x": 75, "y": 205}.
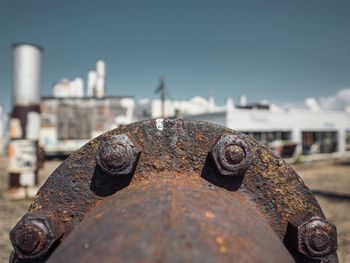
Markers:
{"x": 34, "y": 235}
{"x": 231, "y": 155}
{"x": 314, "y": 237}
{"x": 118, "y": 155}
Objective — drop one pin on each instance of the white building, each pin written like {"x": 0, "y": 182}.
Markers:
{"x": 96, "y": 80}
{"x": 151, "y": 108}
{"x": 313, "y": 131}
{"x": 69, "y": 119}
{"x": 69, "y": 88}
{"x": 68, "y": 123}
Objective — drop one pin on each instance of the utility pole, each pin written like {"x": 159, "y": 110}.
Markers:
{"x": 161, "y": 91}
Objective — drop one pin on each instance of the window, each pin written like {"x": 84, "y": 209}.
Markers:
{"x": 319, "y": 142}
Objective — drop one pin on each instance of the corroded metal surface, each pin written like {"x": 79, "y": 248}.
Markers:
{"x": 167, "y": 219}
{"x": 34, "y": 235}
{"x": 118, "y": 155}
{"x": 194, "y": 191}
{"x": 232, "y": 155}
{"x": 312, "y": 236}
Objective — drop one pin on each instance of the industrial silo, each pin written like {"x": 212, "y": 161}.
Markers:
{"x": 24, "y": 126}
{"x": 101, "y": 75}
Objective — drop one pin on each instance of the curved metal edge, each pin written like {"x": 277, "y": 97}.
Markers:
{"x": 181, "y": 146}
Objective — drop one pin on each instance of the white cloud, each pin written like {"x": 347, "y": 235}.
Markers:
{"x": 312, "y": 104}
{"x": 338, "y": 101}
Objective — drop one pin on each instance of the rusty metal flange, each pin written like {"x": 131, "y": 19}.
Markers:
{"x": 185, "y": 191}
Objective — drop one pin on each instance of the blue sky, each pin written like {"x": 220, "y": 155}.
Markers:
{"x": 283, "y": 51}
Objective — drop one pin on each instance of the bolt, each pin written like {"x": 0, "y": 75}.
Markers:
{"x": 34, "y": 235}
{"x": 231, "y": 155}
{"x": 312, "y": 236}
{"x": 118, "y": 155}
{"x": 30, "y": 237}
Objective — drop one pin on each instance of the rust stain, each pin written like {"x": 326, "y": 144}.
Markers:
{"x": 209, "y": 215}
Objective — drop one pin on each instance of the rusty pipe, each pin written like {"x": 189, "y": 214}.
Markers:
{"x": 172, "y": 219}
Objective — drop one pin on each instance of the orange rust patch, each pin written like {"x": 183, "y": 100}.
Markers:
{"x": 223, "y": 249}
{"x": 209, "y": 214}
{"x": 220, "y": 240}
{"x": 99, "y": 215}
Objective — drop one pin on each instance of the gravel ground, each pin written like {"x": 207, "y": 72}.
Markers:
{"x": 331, "y": 183}
{"x": 12, "y": 211}
{"x": 329, "y": 180}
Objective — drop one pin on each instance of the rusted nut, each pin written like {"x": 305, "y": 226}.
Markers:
{"x": 231, "y": 154}
{"x": 34, "y": 235}
{"x": 118, "y": 155}
{"x": 314, "y": 237}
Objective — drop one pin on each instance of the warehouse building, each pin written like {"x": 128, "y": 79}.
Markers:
{"x": 69, "y": 119}
{"x": 290, "y": 132}
{"x": 68, "y": 123}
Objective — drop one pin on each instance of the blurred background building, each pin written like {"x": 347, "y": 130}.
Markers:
{"x": 70, "y": 122}
{"x": 151, "y": 108}
{"x": 290, "y": 132}
{"x": 69, "y": 119}
{"x": 69, "y": 88}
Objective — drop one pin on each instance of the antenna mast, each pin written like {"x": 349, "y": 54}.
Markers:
{"x": 161, "y": 91}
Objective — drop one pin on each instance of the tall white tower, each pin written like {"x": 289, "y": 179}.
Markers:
{"x": 243, "y": 100}
{"x": 91, "y": 83}
{"x": 96, "y": 80}
{"x": 26, "y": 74}
{"x": 101, "y": 75}
{"x": 24, "y": 126}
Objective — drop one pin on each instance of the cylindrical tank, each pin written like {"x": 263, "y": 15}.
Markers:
{"x": 100, "y": 87}
{"x": 101, "y": 74}
{"x": 101, "y": 68}
{"x": 77, "y": 86}
{"x": 24, "y": 123}
{"x": 242, "y": 100}
{"x": 91, "y": 83}
{"x": 27, "y": 61}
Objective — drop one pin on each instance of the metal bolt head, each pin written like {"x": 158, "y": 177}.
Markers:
{"x": 231, "y": 155}
{"x": 315, "y": 237}
{"x": 118, "y": 155}
{"x": 30, "y": 237}
{"x": 34, "y": 235}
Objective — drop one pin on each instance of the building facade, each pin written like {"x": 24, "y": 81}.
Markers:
{"x": 312, "y": 132}
{"x": 152, "y": 108}
{"x": 67, "y": 123}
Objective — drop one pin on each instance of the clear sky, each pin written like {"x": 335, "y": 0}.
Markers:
{"x": 277, "y": 50}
